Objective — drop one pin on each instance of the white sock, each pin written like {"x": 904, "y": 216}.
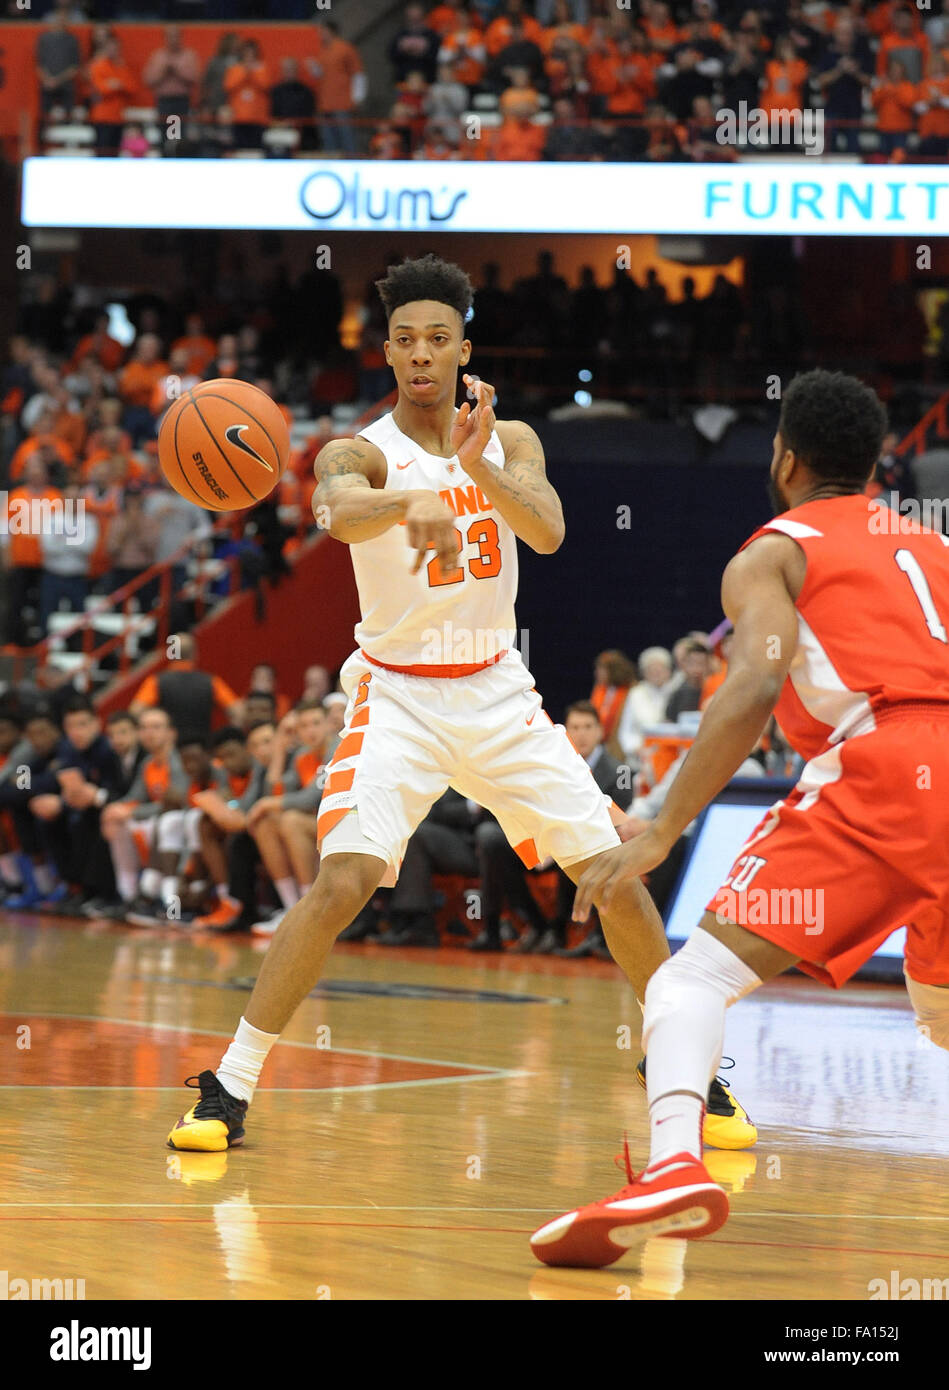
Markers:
{"x": 221, "y": 891}
{"x": 676, "y": 1125}
{"x": 287, "y": 891}
{"x": 9, "y": 868}
{"x": 150, "y": 883}
{"x": 127, "y": 884}
{"x": 304, "y": 889}
{"x": 242, "y": 1062}
{"x": 169, "y": 888}
{"x": 684, "y": 1028}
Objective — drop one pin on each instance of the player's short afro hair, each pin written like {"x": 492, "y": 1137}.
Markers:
{"x": 834, "y": 423}
{"x": 428, "y": 277}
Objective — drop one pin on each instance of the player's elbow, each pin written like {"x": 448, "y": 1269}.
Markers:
{"x": 551, "y": 540}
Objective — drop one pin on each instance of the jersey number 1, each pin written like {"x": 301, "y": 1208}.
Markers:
{"x": 911, "y": 567}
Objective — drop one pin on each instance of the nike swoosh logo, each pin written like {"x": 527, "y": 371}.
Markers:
{"x": 405, "y": 465}
{"x": 532, "y": 718}
{"x": 233, "y": 436}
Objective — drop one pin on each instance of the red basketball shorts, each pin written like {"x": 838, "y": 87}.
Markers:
{"x": 857, "y": 850}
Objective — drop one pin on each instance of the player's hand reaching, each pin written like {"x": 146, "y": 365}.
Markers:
{"x": 430, "y": 525}
{"x": 600, "y": 880}
{"x": 471, "y": 431}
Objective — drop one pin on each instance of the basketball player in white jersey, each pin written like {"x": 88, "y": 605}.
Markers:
{"x": 431, "y": 500}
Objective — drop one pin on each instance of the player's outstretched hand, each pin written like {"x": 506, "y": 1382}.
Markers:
{"x": 431, "y": 526}
{"x": 600, "y": 880}
{"x": 471, "y": 432}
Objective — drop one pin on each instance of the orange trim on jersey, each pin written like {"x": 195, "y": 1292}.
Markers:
{"x": 526, "y": 852}
{"x": 440, "y": 672}
{"x": 360, "y": 719}
{"x": 348, "y": 747}
{"x": 339, "y": 781}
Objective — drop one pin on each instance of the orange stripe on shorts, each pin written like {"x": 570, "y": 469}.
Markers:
{"x": 327, "y": 819}
{"x": 526, "y": 851}
{"x": 348, "y": 747}
{"x": 339, "y": 781}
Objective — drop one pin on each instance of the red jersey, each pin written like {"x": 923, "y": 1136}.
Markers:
{"x": 872, "y": 619}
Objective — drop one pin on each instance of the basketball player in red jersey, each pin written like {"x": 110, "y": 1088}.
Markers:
{"x": 840, "y": 610}
{"x": 431, "y": 500}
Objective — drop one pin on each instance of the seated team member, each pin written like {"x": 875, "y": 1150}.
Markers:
{"x": 32, "y": 774}
{"x": 615, "y": 780}
{"x": 263, "y": 680}
{"x": 13, "y": 749}
{"x": 121, "y": 729}
{"x": 442, "y": 844}
{"x": 89, "y": 774}
{"x": 284, "y": 822}
{"x": 177, "y": 838}
{"x": 187, "y": 695}
{"x": 129, "y": 825}
{"x": 259, "y": 706}
{"x": 335, "y": 706}
{"x": 236, "y": 909}
{"x": 504, "y": 879}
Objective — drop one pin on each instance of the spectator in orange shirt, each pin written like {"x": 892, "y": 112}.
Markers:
{"x": 113, "y": 87}
{"x": 782, "y": 86}
{"x": 100, "y": 345}
{"x": 443, "y": 18}
{"x": 510, "y": 27}
{"x": 630, "y": 80}
{"x": 196, "y": 343}
{"x": 108, "y": 415}
{"x": 21, "y": 549}
{"x": 520, "y": 98}
{"x": 136, "y": 384}
{"x": 247, "y": 85}
{"x": 902, "y": 40}
{"x": 464, "y": 52}
{"x": 880, "y": 19}
{"x": 518, "y": 138}
{"x": 562, "y": 27}
{"x": 661, "y": 33}
{"x": 58, "y": 457}
{"x": 339, "y": 71}
{"x": 157, "y": 689}
{"x": 387, "y": 142}
{"x": 176, "y": 382}
{"x": 932, "y": 107}
{"x": 894, "y": 98}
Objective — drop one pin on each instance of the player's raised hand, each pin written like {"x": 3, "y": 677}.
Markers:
{"x": 471, "y": 431}
{"x": 430, "y": 525}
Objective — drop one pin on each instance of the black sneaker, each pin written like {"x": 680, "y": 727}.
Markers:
{"x": 147, "y": 912}
{"x": 214, "y": 1123}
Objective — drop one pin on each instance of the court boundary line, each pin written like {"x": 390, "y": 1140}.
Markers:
{"x": 528, "y": 1211}
{"x": 288, "y": 1042}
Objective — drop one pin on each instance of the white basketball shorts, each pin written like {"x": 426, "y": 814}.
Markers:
{"x": 407, "y": 738}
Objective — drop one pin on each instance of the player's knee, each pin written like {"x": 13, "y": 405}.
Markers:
{"x": 348, "y": 880}
{"x": 931, "y": 1007}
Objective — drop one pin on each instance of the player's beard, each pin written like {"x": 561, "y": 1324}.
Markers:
{"x": 778, "y": 504}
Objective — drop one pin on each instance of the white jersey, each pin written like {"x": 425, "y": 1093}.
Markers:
{"x": 464, "y": 616}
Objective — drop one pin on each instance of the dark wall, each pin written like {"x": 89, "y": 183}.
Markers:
{"x": 610, "y": 587}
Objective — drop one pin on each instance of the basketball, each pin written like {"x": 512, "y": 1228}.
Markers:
{"x": 224, "y": 445}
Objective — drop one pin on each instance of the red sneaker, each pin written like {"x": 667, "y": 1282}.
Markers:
{"x": 682, "y": 1201}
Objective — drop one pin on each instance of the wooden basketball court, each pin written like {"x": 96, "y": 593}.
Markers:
{"x": 428, "y": 1110}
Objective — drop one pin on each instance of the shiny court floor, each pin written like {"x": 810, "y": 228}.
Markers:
{"x": 425, "y": 1113}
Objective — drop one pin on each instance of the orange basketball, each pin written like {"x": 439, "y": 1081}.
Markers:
{"x": 223, "y": 445}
